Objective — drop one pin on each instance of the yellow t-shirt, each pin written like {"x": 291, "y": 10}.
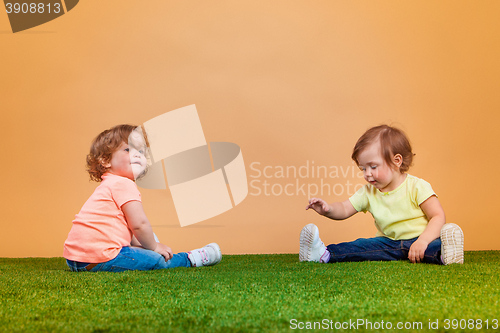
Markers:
{"x": 397, "y": 213}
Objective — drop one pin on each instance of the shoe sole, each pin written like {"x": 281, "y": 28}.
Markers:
{"x": 306, "y": 240}
{"x": 452, "y": 244}
{"x": 216, "y": 247}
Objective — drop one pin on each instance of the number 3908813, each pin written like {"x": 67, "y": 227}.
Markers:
{"x": 32, "y": 8}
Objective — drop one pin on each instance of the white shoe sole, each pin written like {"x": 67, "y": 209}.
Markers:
{"x": 307, "y": 237}
{"x": 218, "y": 253}
{"x": 452, "y": 244}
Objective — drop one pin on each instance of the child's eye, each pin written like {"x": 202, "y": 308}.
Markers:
{"x": 126, "y": 149}
{"x": 373, "y": 166}
{"x": 141, "y": 151}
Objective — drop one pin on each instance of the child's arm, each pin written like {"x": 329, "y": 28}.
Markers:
{"x": 140, "y": 226}
{"x": 135, "y": 242}
{"x": 335, "y": 211}
{"x": 435, "y": 213}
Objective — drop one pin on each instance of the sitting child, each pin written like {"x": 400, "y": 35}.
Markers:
{"x": 112, "y": 232}
{"x": 408, "y": 215}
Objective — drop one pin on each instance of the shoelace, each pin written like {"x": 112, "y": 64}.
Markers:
{"x": 204, "y": 256}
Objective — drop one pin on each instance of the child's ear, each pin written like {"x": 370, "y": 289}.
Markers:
{"x": 105, "y": 163}
{"x": 397, "y": 160}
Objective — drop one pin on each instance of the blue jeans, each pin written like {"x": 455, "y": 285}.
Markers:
{"x": 382, "y": 249}
{"x": 131, "y": 259}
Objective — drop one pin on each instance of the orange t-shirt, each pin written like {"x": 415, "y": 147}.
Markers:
{"x": 100, "y": 230}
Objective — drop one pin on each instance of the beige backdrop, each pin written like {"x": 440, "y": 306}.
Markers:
{"x": 293, "y": 82}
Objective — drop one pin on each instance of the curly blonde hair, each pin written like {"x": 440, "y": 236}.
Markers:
{"x": 103, "y": 147}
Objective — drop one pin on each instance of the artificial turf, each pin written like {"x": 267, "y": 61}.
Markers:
{"x": 253, "y": 293}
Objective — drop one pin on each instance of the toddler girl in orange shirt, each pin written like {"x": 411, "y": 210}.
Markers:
{"x": 111, "y": 232}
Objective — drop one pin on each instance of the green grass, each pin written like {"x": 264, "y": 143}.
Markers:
{"x": 246, "y": 293}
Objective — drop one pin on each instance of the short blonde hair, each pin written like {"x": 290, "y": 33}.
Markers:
{"x": 103, "y": 147}
{"x": 392, "y": 140}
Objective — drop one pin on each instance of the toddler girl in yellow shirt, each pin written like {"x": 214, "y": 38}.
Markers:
{"x": 407, "y": 213}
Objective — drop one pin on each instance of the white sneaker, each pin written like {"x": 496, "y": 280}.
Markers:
{"x": 452, "y": 244}
{"x": 311, "y": 247}
{"x": 206, "y": 256}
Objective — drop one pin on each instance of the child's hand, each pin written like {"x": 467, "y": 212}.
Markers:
{"x": 417, "y": 250}
{"x": 164, "y": 250}
{"x": 319, "y": 205}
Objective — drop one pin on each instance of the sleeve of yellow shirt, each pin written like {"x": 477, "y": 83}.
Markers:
{"x": 359, "y": 200}
{"x": 423, "y": 191}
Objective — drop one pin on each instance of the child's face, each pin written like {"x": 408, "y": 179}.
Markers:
{"x": 375, "y": 169}
{"x": 128, "y": 160}
{"x": 137, "y": 153}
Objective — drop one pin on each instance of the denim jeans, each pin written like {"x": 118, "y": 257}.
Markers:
{"x": 382, "y": 249}
{"x": 131, "y": 259}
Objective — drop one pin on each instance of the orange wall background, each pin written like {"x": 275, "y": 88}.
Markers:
{"x": 292, "y": 82}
